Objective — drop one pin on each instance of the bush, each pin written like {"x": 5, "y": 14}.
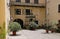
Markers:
{"x": 48, "y": 27}
{"x": 33, "y": 25}
{"x": 58, "y": 26}
{"x": 14, "y": 26}
{"x": 43, "y": 26}
{"x": 39, "y": 27}
{"x": 58, "y": 30}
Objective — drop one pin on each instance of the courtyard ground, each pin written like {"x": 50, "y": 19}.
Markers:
{"x": 37, "y": 34}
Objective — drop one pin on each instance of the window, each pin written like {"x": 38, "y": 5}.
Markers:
{"x": 30, "y": 19}
{"x": 18, "y": 0}
{"x": 27, "y": 1}
{"x": 18, "y": 11}
{"x": 27, "y": 11}
{"x": 58, "y": 21}
{"x": 36, "y": 21}
{"x": 59, "y": 8}
{"x": 36, "y": 1}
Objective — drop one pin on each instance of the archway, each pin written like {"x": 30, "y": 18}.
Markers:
{"x": 19, "y": 21}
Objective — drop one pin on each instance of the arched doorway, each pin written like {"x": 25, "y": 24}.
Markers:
{"x": 19, "y": 21}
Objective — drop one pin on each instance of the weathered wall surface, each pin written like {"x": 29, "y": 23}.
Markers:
{"x": 53, "y": 14}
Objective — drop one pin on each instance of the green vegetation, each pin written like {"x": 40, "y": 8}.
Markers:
{"x": 14, "y": 26}
{"x": 33, "y": 25}
{"x": 2, "y": 31}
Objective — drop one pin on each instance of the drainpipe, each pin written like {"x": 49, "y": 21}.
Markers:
{"x": 46, "y": 13}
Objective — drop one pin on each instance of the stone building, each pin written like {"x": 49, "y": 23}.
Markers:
{"x": 53, "y": 11}
{"x": 42, "y": 11}
{"x": 22, "y": 11}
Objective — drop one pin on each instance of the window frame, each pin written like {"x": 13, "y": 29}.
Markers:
{"x": 36, "y": 1}
{"x": 18, "y": 0}
{"x": 29, "y": 12}
{"x": 18, "y": 11}
{"x": 27, "y": 1}
{"x": 59, "y": 8}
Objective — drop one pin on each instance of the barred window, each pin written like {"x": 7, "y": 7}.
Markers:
{"x": 27, "y": 11}
{"x": 18, "y": 11}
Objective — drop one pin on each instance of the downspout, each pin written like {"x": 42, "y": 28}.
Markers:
{"x": 46, "y": 13}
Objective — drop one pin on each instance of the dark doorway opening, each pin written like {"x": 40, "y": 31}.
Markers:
{"x": 19, "y": 21}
